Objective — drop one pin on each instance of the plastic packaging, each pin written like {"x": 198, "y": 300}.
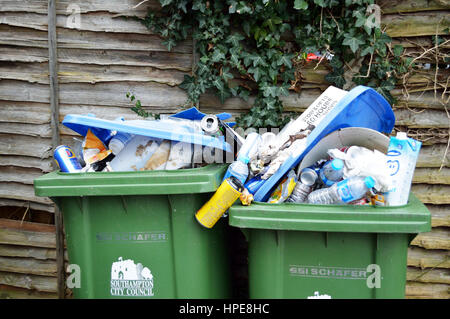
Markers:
{"x": 332, "y": 172}
{"x": 250, "y": 146}
{"x": 401, "y": 161}
{"x": 118, "y": 142}
{"x": 135, "y": 154}
{"x": 285, "y": 189}
{"x": 238, "y": 169}
{"x": 346, "y": 191}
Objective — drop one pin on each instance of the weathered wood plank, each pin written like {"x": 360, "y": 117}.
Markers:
{"x": 160, "y": 60}
{"x": 425, "y": 258}
{"x": 433, "y": 156}
{"x": 88, "y": 73}
{"x": 20, "y": 203}
{"x": 28, "y": 266}
{"x": 18, "y": 191}
{"x": 417, "y": 42}
{"x": 39, "y": 283}
{"x": 24, "y": 112}
{"x": 68, "y": 38}
{"x": 419, "y": 290}
{"x": 416, "y": 24}
{"x": 25, "y": 145}
{"x": 19, "y": 174}
{"x": 8, "y": 292}
{"x": 160, "y": 96}
{"x": 44, "y": 165}
{"x": 42, "y": 130}
{"x": 26, "y": 226}
{"x": 21, "y": 237}
{"x": 98, "y": 22}
{"x": 27, "y": 252}
{"x": 30, "y": 252}
{"x": 432, "y": 194}
{"x": 399, "y": 6}
{"x": 439, "y": 276}
{"x": 437, "y": 238}
{"x": 62, "y": 7}
{"x": 426, "y": 118}
{"x": 440, "y": 215}
{"x": 432, "y": 176}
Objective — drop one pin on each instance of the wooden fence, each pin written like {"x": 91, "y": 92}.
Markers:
{"x": 104, "y": 56}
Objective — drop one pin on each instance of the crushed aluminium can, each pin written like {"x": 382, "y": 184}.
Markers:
{"x": 227, "y": 193}
{"x": 66, "y": 160}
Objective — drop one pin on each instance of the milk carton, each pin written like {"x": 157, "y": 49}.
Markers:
{"x": 401, "y": 161}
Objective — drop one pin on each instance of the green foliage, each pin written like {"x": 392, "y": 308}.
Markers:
{"x": 243, "y": 49}
{"x": 137, "y": 108}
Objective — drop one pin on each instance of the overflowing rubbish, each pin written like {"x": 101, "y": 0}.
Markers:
{"x": 333, "y": 153}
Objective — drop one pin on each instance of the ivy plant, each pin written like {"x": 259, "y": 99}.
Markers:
{"x": 256, "y": 48}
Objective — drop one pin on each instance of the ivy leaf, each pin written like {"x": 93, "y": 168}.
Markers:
{"x": 286, "y": 59}
{"x": 217, "y": 56}
{"x": 283, "y": 90}
{"x": 300, "y": 5}
{"x": 353, "y": 43}
{"x": 398, "y": 50}
{"x": 367, "y": 50}
{"x": 336, "y": 78}
{"x": 169, "y": 43}
{"x": 270, "y": 91}
{"x": 165, "y": 2}
{"x": 226, "y": 75}
{"x": 256, "y": 73}
{"x": 235, "y": 39}
{"x": 188, "y": 83}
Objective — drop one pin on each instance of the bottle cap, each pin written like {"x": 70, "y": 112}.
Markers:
{"x": 337, "y": 164}
{"x": 370, "y": 182}
{"x": 244, "y": 159}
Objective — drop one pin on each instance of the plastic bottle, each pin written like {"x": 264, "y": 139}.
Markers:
{"x": 332, "y": 172}
{"x": 238, "y": 169}
{"x": 308, "y": 178}
{"x": 348, "y": 190}
{"x": 118, "y": 142}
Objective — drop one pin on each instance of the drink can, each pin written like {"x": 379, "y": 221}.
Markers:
{"x": 227, "y": 193}
{"x": 66, "y": 160}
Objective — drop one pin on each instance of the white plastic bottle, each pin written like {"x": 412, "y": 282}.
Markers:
{"x": 332, "y": 172}
{"x": 118, "y": 142}
{"x": 348, "y": 190}
{"x": 238, "y": 169}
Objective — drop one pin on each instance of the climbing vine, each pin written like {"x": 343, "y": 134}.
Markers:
{"x": 258, "y": 48}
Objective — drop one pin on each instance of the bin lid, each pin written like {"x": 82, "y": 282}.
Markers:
{"x": 361, "y": 107}
{"x": 154, "y": 128}
{"x": 161, "y": 182}
{"x": 411, "y": 218}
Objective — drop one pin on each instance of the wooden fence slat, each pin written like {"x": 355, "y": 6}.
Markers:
{"x": 9, "y": 292}
{"x": 24, "y": 112}
{"x": 437, "y": 238}
{"x": 26, "y": 238}
{"x": 416, "y": 24}
{"x": 433, "y": 156}
{"x": 440, "y": 215}
{"x": 21, "y": 203}
{"x": 389, "y": 6}
{"x": 432, "y": 176}
{"x": 27, "y": 252}
{"x": 432, "y": 194}
{"x": 439, "y": 276}
{"x": 40, "y": 6}
{"x": 160, "y": 96}
{"x": 426, "y": 258}
{"x": 419, "y": 290}
{"x": 20, "y": 191}
{"x": 88, "y": 73}
{"x": 45, "y": 165}
{"x": 19, "y": 174}
{"x": 33, "y": 282}
{"x": 70, "y": 38}
{"x": 25, "y": 146}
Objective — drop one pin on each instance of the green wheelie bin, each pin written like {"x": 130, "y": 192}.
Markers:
{"x": 134, "y": 234}
{"x": 328, "y": 251}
